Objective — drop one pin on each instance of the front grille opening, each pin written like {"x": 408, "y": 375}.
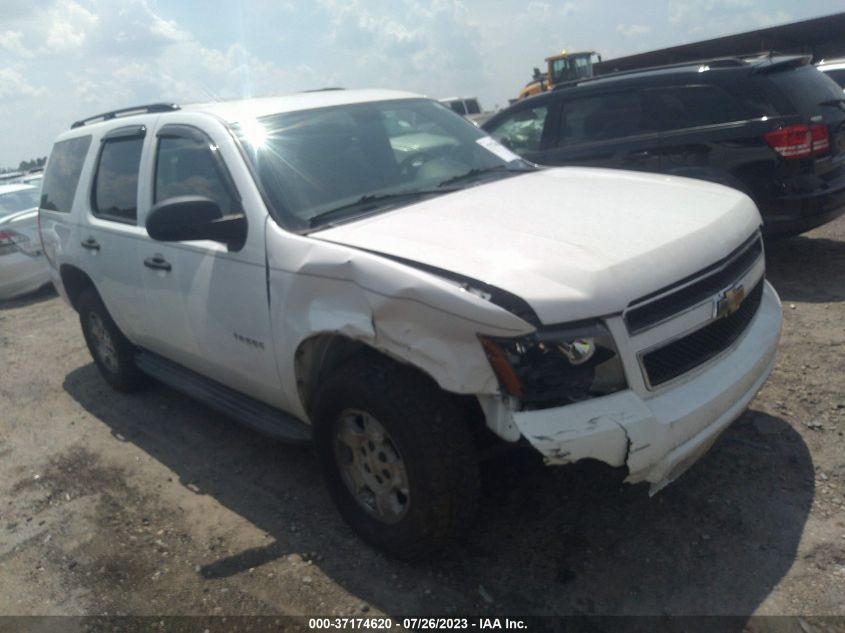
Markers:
{"x": 687, "y": 353}
{"x": 729, "y": 270}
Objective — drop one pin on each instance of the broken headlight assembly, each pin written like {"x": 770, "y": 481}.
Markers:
{"x": 556, "y": 366}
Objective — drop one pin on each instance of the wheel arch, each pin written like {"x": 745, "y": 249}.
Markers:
{"x": 75, "y": 282}
{"x": 319, "y": 355}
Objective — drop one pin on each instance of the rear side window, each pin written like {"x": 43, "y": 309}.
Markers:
{"x": 116, "y": 183}
{"x": 185, "y": 167}
{"x": 523, "y": 130}
{"x": 678, "y": 107}
{"x": 62, "y": 176}
{"x": 806, "y": 87}
{"x": 599, "y": 118}
{"x": 837, "y": 75}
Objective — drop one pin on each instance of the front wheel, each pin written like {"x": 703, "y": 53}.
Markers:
{"x": 397, "y": 457}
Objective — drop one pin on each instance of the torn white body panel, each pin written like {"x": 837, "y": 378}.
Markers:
{"x": 659, "y": 435}
{"x": 321, "y": 288}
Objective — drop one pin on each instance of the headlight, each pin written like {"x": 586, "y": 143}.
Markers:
{"x": 558, "y": 366}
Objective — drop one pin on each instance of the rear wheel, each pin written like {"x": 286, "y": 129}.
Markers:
{"x": 398, "y": 459}
{"x": 111, "y": 350}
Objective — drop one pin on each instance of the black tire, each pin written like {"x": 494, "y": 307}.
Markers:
{"x": 116, "y": 364}
{"x": 431, "y": 439}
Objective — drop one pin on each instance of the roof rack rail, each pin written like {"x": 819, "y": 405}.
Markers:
{"x": 714, "y": 62}
{"x": 324, "y": 89}
{"x": 141, "y": 109}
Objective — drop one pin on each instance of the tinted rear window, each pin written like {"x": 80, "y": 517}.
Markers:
{"x": 837, "y": 75}
{"x": 62, "y": 175}
{"x": 602, "y": 117}
{"x": 116, "y": 185}
{"x": 806, "y": 87}
{"x": 678, "y": 107}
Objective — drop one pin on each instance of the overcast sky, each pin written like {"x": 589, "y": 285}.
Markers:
{"x": 61, "y": 60}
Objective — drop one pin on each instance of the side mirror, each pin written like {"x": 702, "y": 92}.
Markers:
{"x": 185, "y": 218}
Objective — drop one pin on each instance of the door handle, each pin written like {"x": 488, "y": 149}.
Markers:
{"x": 91, "y": 244}
{"x": 157, "y": 262}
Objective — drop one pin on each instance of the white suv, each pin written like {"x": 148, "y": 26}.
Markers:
{"x": 835, "y": 69}
{"x": 297, "y": 264}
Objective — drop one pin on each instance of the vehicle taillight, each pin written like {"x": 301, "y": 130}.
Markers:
{"x": 821, "y": 139}
{"x": 9, "y": 241}
{"x": 799, "y": 141}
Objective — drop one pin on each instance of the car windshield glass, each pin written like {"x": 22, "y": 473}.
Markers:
{"x": 315, "y": 162}
{"x": 20, "y": 200}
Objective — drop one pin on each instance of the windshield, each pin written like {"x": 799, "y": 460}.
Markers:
{"x": 575, "y": 66}
{"x": 18, "y": 201}
{"x": 323, "y": 161}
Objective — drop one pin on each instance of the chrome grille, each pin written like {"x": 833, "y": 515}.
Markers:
{"x": 686, "y": 353}
{"x": 654, "y": 308}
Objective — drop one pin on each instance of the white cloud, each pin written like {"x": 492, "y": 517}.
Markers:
{"x": 91, "y": 29}
{"x": 14, "y": 86}
{"x": 12, "y": 42}
{"x": 17, "y": 9}
{"x": 130, "y": 29}
{"x": 416, "y": 45}
{"x": 632, "y": 30}
{"x": 568, "y": 8}
{"x": 68, "y": 25}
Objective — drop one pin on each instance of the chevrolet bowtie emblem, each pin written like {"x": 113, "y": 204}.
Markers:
{"x": 730, "y": 301}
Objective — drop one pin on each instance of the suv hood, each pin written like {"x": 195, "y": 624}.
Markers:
{"x": 573, "y": 242}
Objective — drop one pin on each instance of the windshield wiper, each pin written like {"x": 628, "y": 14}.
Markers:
{"x": 480, "y": 171}
{"x": 370, "y": 202}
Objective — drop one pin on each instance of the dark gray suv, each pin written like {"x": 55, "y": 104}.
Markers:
{"x": 772, "y": 127}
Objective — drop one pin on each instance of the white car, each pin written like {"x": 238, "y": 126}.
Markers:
{"x": 282, "y": 261}
{"x": 835, "y": 69}
{"x": 467, "y": 107}
{"x": 23, "y": 267}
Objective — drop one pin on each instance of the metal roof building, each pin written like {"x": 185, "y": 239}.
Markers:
{"x": 822, "y": 38}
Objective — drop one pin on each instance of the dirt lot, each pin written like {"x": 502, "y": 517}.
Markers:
{"x": 152, "y": 504}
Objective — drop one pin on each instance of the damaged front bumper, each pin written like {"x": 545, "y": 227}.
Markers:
{"x": 659, "y": 434}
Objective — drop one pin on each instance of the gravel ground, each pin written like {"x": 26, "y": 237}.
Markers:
{"x": 152, "y": 504}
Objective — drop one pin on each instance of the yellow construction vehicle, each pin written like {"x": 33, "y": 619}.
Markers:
{"x": 561, "y": 68}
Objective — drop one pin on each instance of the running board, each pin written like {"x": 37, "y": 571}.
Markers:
{"x": 248, "y": 411}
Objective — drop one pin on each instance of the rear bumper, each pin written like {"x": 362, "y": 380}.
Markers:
{"x": 21, "y": 273}
{"x": 790, "y": 215}
{"x": 660, "y": 435}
